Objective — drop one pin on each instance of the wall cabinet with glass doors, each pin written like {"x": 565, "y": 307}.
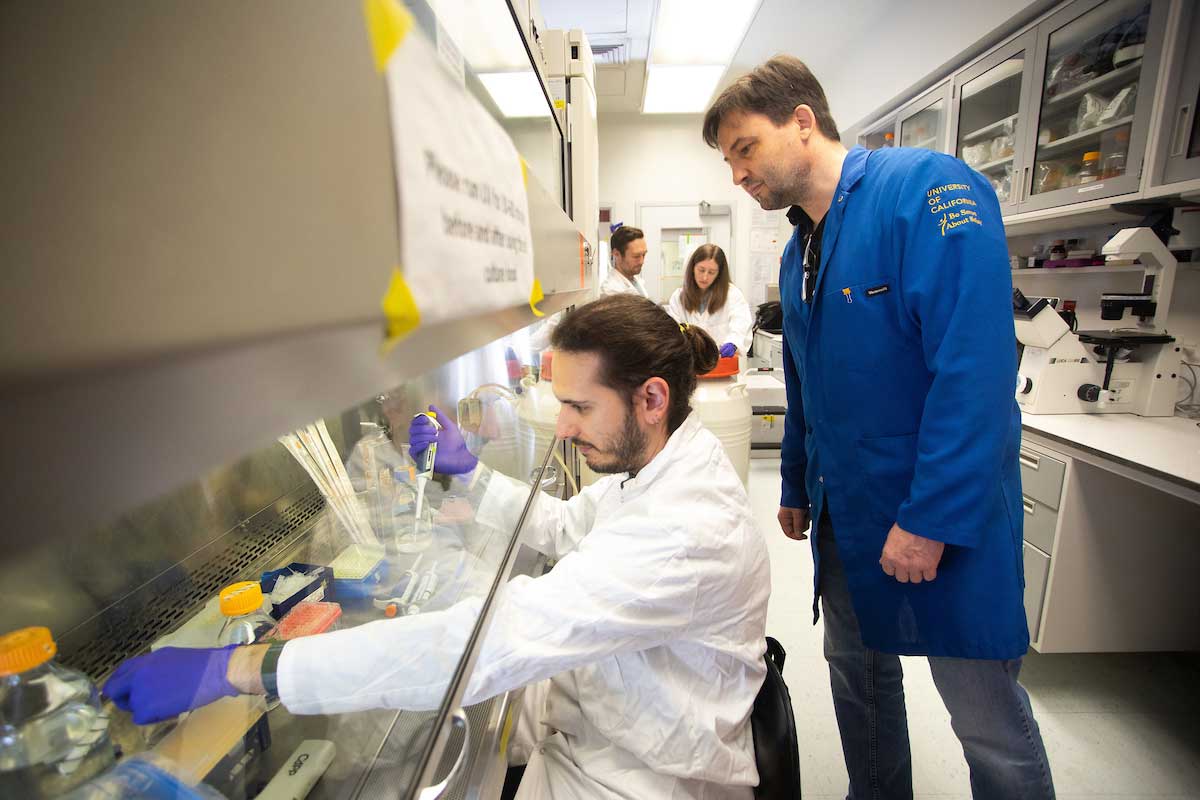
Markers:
{"x": 879, "y": 136}
{"x": 923, "y": 122}
{"x": 992, "y": 102}
{"x": 1179, "y": 143}
{"x": 1060, "y": 113}
{"x": 1096, "y": 65}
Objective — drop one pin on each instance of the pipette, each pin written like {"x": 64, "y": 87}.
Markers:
{"x": 428, "y": 587}
{"x": 393, "y": 605}
{"x": 425, "y": 468}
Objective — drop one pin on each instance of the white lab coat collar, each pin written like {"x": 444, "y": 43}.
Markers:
{"x": 616, "y": 283}
{"x": 677, "y": 443}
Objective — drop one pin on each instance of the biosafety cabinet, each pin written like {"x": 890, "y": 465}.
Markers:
{"x": 216, "y": 334}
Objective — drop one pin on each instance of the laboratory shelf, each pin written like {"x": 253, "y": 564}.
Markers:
{"x": 1075, "y": 140}
{"x": 1128, "y": 72}
{"x": 993, "y": 128}
{"x": 991, "y": 165}
{"x": 1062, "y": 271}
{"x": 925, "y": 144}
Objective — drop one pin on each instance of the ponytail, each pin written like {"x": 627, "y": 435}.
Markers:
{"x": 637, "y": 340}
{"x": 705, "y": 353}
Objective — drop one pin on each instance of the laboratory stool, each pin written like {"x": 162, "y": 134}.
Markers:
{"x": 776, "y": 750}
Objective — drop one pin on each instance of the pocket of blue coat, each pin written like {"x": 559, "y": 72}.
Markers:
{"x": 861, "y": 327}
{"x": 888, "y": 464}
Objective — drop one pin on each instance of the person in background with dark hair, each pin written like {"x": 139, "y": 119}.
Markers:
{"x": 902, "y": 433}
{"x": 651, "y": 627}
{"x": 628, "y": 255}
{"x": 709, "y": 299}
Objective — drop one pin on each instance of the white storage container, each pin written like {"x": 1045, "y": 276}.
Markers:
{"x": 722, "y": 401}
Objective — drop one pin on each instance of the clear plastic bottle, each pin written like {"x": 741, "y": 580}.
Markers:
{"x": 245, "y": 620}
{"x": 1089, "y": 171}
{"x": 53, "y": 732}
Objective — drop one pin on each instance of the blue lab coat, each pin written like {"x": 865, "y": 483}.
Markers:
{"x": 900, "y": 384}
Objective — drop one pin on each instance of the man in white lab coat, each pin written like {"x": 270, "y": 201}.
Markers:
{"x": 628, "y": 255}
{"x": 650, "y": 627}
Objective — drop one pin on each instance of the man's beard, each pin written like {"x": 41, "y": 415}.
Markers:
{"x": 626, "y": 453}
{"x": 793, "y": 192}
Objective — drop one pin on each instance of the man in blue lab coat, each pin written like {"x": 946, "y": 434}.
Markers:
{"x": 902, "y": 433}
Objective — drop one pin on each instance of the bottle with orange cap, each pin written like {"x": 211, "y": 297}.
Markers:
{"x": 245, "y": 620}
{"x": 53, "y": 732}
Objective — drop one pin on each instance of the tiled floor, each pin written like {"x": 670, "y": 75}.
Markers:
{"x": 1115, "y": 726}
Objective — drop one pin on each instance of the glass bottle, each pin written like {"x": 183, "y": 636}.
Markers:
{"x": 889, "y": 139}
{"x": 1114, "y": 164}
{"x": 1089, "y": 171}
{"x": 245, "y": 620}
{"x": 53, "y": 732}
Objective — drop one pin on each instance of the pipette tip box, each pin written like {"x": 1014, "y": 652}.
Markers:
{"x": 307, "y": 619}
{"x": 358, "y": 572}
{"x": 318, "y": 589}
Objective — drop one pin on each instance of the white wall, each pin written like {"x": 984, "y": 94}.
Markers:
{"x": 866, "y": 52}
{"x": 662, "y": 159}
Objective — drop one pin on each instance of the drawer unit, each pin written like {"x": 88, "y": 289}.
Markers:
{"x": 766, "y": 437}
{"x": 1037, "y": 569}
{"x": 1041, "y": 477}
{"x": 1040, "y": 521}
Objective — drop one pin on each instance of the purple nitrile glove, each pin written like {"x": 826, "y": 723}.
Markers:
{"x": 728, "y": 349}
{"x": 167, "y": 682}
{"x": 453, "y": 457}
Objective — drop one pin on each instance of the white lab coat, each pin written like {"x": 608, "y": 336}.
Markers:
{"x": 732, "y": 323}
{"x": 651, "y": 625}
{"x": 616, "y": 283}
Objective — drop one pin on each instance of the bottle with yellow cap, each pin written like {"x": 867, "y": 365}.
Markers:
{"x": 53, "y": 731}
{"x": 245, "y": 620}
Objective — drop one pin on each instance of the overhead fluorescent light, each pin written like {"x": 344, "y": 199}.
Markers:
{"x": 516, "y": 94}
{"x": 700, "y": 31}
{"x": 680, "y": 89}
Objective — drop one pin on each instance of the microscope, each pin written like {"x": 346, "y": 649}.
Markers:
{"x": 1130, "y": 369}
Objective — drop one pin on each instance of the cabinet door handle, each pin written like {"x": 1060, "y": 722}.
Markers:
{"x": 1030, "y": 460}
{"x": 1028, "y": 504}
{"x": 1025, "y": 186}
{"x": 459, "y": 720}
{"x": 1179, "y": 135}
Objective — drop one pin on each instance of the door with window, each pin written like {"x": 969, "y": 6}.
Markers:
{"x": 672, "y": 232}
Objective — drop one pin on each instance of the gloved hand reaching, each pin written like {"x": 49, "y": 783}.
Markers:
{"x": 453, "y": 457}
{"x": 167, "y": 682}
{"x": 728, "y": 349}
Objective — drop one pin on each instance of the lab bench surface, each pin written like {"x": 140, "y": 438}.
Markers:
{"x": 1163, "y": 452}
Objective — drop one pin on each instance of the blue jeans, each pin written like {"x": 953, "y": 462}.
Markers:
{"x": 989, "y": 710}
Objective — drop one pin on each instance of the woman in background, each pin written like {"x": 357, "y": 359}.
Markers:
{"x": 709, "y": 300}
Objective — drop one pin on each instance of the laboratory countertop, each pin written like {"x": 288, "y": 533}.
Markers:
{"x": 1167, "y": 446}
